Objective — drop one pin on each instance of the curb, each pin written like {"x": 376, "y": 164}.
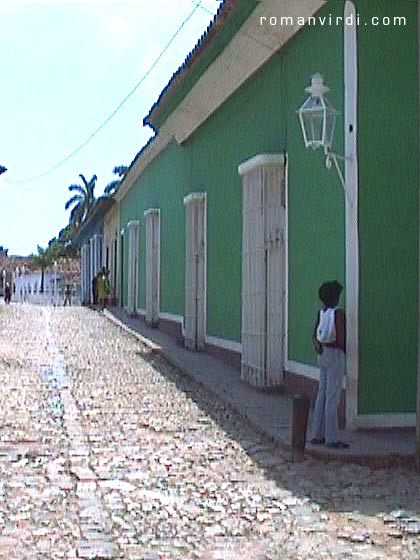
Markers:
{"x": 156, "y": 348}
{"x": 323, "y": 454}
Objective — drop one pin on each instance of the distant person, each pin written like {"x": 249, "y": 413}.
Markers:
{"x": 95, "y": 290}
{"x": 7, "y": 293}
{"x": 67, "y": 295}
{"x": 329, "y": 339}
{"x": 103, "y": 287}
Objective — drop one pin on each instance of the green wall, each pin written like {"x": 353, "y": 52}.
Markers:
{"x": 162, "y": 185}
{"x": 388, "y": 209}
{"x": 316, "y": 203}
{"x": 261, "y": 117}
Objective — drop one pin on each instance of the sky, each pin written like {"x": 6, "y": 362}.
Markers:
{"x": 65, "y": 66}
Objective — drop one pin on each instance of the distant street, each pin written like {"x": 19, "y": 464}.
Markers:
{"x": 108, "y": 452}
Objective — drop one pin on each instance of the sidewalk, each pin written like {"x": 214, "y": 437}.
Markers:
{"x": 270, "y": 413}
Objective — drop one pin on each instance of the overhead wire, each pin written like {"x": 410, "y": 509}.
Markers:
{"x": 115, "y": 111}
{"x": 197, "y": 5}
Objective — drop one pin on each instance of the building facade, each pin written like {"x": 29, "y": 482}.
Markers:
{"x": 90, "y": 237}
{"x": 228, "y": 225}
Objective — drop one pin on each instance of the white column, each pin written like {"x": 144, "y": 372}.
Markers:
{"x": 133, "y": 256}
{"x": 352, "y": 233}
{"x": 91, "y": 266}
{"x": 85, "y": 272}
{"x": 97, "y": 240}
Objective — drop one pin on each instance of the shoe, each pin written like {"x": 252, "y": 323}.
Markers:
{"x": 338, "y": 445}
{"x": 317, "y": 441}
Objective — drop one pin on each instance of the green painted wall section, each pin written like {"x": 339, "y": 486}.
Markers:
{"x": 261, "y": 118}
{"x": 315, "y": 195}
{"x": 162, "y": 185}
{"x": 388, "y": 209}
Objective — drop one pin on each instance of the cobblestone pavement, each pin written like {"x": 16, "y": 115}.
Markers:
{"x": 108, "y": 452}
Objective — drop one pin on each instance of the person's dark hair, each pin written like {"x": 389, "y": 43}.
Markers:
{"x": 329, "y": 293}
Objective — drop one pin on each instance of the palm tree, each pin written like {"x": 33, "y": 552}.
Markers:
{"x": 42, "y": 260}
{"x": 113, "y": 186}
{"x": 82, "y": 201}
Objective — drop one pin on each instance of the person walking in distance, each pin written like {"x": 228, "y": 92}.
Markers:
{"x": 67, "y": 295}
{"x": 7, "y": 293}
{"x": 329, "y": 339}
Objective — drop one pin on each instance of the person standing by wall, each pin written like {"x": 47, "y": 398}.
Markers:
{"x": 329, "y": 339}
{"x": 102, "y": 287}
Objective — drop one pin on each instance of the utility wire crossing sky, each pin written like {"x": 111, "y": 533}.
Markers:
{"x": 66, "y": 64}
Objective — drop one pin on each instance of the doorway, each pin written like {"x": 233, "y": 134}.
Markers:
{"x": 152, "y": 265}
{"x": 195, "y": 273}
{"x": 263, "y": 270}
{"x": 133, "y": 266}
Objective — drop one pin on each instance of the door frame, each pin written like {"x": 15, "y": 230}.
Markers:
{"x": 279, "y": 160}
{"x": 150, "y": 214}
{"x": 198, "y": 198}
{"x": 133, "y": 268}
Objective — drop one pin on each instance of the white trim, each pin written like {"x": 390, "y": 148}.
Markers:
{"x": 174, "y": 319}
{"x": 205, "y": 265}
{"x": 171, "y": 317}
{"x": 260, "y": 160}
{"x": 352, "y": 233}
{"x": 224, "y": 343}
{"x": 197, "y": 198}
{"x": 297, "y": 368}
{"x": 154, "y": 214}
{"x": 386, "y": 420}
{"x": 151, "y": 211}
{"x": 194, "y": 197}
{"x": 286, "y": 258}
{"x": 418, "y": 313}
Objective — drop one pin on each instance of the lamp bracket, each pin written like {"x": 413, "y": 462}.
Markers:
{"x": 332, "y": 158}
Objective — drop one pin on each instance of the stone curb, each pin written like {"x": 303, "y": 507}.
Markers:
{"x": 322, "y": 453}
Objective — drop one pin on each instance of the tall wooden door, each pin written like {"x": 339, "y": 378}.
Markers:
{"x": 263, "y": 270}
{"x": 195, "y": 273}
{"x": 152, "y": 265}
{"x": 133, "y": 266}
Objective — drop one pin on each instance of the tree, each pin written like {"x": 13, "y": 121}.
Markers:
{"x": 42, "y": 260}
{"x": 62, "y": 246}
{"x": 82, "y": 201}
{"x": 113, "y": 186}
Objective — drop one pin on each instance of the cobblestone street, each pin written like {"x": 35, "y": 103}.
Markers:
{"x": 106, "y": 451}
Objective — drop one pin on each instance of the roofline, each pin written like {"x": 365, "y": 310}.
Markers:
{"x": 228, "y": 19}
{"x": 99, "y": 209}
{"x": 271, "y": 43}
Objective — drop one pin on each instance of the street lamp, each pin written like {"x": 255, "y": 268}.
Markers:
{"x": 318, "y": 119}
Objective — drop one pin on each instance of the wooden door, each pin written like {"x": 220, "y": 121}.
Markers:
{"x": 263, "y": 271}
{"x": 152, "y": 265}
{"x": 195, "y": 273}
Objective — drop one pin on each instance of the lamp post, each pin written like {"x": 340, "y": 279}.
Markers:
{"x": 318, "y": 119}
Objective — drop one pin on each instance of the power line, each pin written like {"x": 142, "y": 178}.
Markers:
{"x": 115, "y": 111}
